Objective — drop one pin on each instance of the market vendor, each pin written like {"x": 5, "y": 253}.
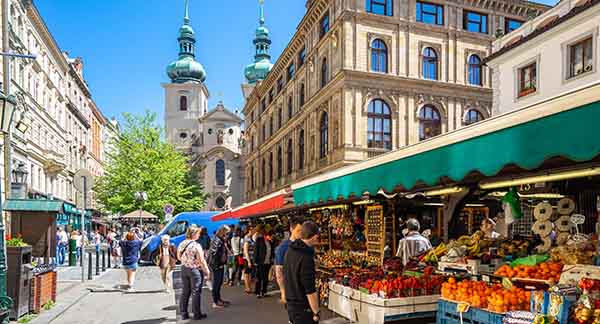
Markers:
{"x": 413, "y": 244}
{"x": 488, "y": 227}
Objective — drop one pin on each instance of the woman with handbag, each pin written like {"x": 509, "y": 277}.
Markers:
{"x": 193, "y": 271}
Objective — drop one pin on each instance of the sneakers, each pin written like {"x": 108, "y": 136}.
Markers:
{"x": 218, "y": 306}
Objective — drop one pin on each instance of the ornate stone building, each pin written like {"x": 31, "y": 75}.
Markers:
{"x": 210, "y": 138}
{"x": 360, "y": 78}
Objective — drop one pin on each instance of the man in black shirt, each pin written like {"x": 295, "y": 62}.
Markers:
{"x": 300, "y": 276}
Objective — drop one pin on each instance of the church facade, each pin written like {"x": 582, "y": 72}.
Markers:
{"x": 211, "y": 138}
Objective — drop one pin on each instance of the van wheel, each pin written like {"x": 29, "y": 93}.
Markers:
{"x": 154, "y": 258}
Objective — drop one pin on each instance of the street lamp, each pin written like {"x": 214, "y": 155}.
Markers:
{"x": 141, "y": 197}
{"x": 19, "y": 182}
{"x": 7, "y": 110}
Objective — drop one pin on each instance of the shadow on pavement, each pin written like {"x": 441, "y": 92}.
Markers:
{"x": 152, "y": 321}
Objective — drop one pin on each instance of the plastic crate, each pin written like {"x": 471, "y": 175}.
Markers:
{"x": 447, "y": 314}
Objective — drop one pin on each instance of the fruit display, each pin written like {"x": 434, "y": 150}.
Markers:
{"x": 393, "y": 264}
{"x": 582, "y": 253}
{"x": 433, "y": 255}
{"x": 514, "y": 248}
{"x": 479, "y": 294}
{"x": 549, "y": 271}
{"x": 392, "y": 285}
{"x": 344, "y": 259}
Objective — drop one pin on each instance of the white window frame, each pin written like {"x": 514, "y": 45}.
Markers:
{"x": 517, "y": 79}
{"x": 566, "y": 55}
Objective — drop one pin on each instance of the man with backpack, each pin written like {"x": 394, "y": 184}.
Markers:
{"x": 217, "y": 258}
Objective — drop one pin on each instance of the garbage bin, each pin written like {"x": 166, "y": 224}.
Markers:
{"x": 72, "y": 253}
{"x": 19, "y": 279}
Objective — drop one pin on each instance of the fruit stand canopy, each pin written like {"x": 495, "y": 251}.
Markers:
{"x": 563, "y": 127}
{"x": 263, "y": 205}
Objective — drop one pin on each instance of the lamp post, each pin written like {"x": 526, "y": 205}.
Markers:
{"x": 141, "y": 197}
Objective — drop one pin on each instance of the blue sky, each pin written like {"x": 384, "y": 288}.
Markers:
{"x": 127, "y": 44}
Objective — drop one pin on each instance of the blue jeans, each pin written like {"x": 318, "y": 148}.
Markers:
{"x": 61, "y": 249}
{"x": 192, "y": 279}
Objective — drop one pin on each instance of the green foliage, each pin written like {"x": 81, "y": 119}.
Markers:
{"x": 48, "y": 305}
{"x": 143, "y": 161}
{"x": 26, "y": 318}
{"x": 15, "y": 241}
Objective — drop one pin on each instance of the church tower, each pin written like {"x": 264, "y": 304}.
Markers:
{"x": 186, "y": 96}
{"x": 262, "y": 65}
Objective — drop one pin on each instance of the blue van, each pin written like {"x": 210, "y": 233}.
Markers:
{"x": 176, "y": 229}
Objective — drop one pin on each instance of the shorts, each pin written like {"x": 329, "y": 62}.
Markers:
{"x": 130, "y": 266}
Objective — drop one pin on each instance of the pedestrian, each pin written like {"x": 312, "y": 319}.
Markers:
{"x": 249, "y": 270}
{"x": 217, "y": 258}
{"x": 97, "y": 240}
{"x": 300, "y": 277}
{"x": 78, "y": 242}
{"x": 262, "y": 257}
{"x": 167, "y": 261}
{"x": 115, "y": 251}
{"x": 63, "y": 241}
{"x": 193, "y": 271}
{"x": 130, "y": 247}
{"x": 281, "y": 251}
{"x": 413, "y": 244}
{"x": 238, "y": 260}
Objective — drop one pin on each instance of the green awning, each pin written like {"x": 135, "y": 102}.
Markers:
{"x": 573, "y": 133}
{"x": 33, "y": 205}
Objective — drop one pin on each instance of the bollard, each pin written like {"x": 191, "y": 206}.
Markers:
{"x": 103, "y": 260}
{"x": 97, "y": 263}
{"x": 81, "y": 252}
{"x": 109, "y": 256}
{"x": 90, "y": 266}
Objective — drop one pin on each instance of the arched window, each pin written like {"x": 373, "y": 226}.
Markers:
{"x": 290, "y": 107}
{"x": 324, "y": 131}
{"x": 279, "y": 162}
{"x": 302, "y": 95}
{"x": 473, "y": 116}
{"x": 324, "y": 73}
{"x": 183, "y": 104}
{"x": 290, "y": 157}
{"x": 220, "y": 172}
{"x": 475, "y": 70}
{"x": 430, "y": 123}
{"x": 379, "y": 56}
{"x": 380, "y": 125}
{"x": 220, "y": 202}
{"x": 430, "y": 64}
{"x": 301, "y": 150}
{"x": 270, "y": 167}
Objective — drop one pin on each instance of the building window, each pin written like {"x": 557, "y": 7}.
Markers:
{"x": 430, "y": 64}
{"x": 379, "y": 56}
{"x": 301, "y": 150}
{"x": 475, "y": 70}
{"x": 271, "y": 126}
{"x": 279, "y": 162}
{"x": 252, "y": 183}
{"x": 263, "y": 105}
{"x": 271, "y": 95}
{"x": 527, "y": 79}
{"x": 183, "y": 104}
{"x": 324, "y": 25}
{"x": 290, "y": 157}
{"x": 430, "y": 13}
{"x": 324, "y": 132}
{"x": 302, "y": 94}
{"x": 430, "y": 123}
{"x": 380, "y": 125}
{"x": 380, "y": 7}
{"x": 183, "y": 135}
{"x": 264, "y": 172}
{"x": 270, "y": 167}
{"x": 473, "y": 116}
{"x": 324, "y": 72}
{"x": 279, "y": 84}
{"x": 581, "y": 57}
{"x": 220, "y": 202}
{"x": 220, "y": 172}
{"x": 475, "y": 22}
{"x": 280, "y": 118}
{"x": 264, "y": 132}
{"x": 511, "y": 24}
{"x": 301, "y": 57}
{"x": 290, "y": 106}
{"x": 291, "y": 71}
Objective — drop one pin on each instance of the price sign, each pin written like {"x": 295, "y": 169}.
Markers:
{"x": 375, "y": 231}
{"x": 577, "y": 219}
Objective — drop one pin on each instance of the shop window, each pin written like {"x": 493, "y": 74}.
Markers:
{"x": 379, "y": 56}
{"x": 473, "y": 116}
{"x": 475, "y": 22}
{"x": 430, "y": 13}
{"x": 527, "y": 79}
{"x": 379, "y": 130}
{"x": 475, "y": 70}
{"x": 430, "y": 123}
{"x": 379, "y": 7}
{"x": 430, "y": 64}
{"x": 324, "y": 132}
{"x": 581, "y": 56}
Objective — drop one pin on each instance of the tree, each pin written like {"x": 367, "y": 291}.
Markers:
{"x": 143, "y": 161}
